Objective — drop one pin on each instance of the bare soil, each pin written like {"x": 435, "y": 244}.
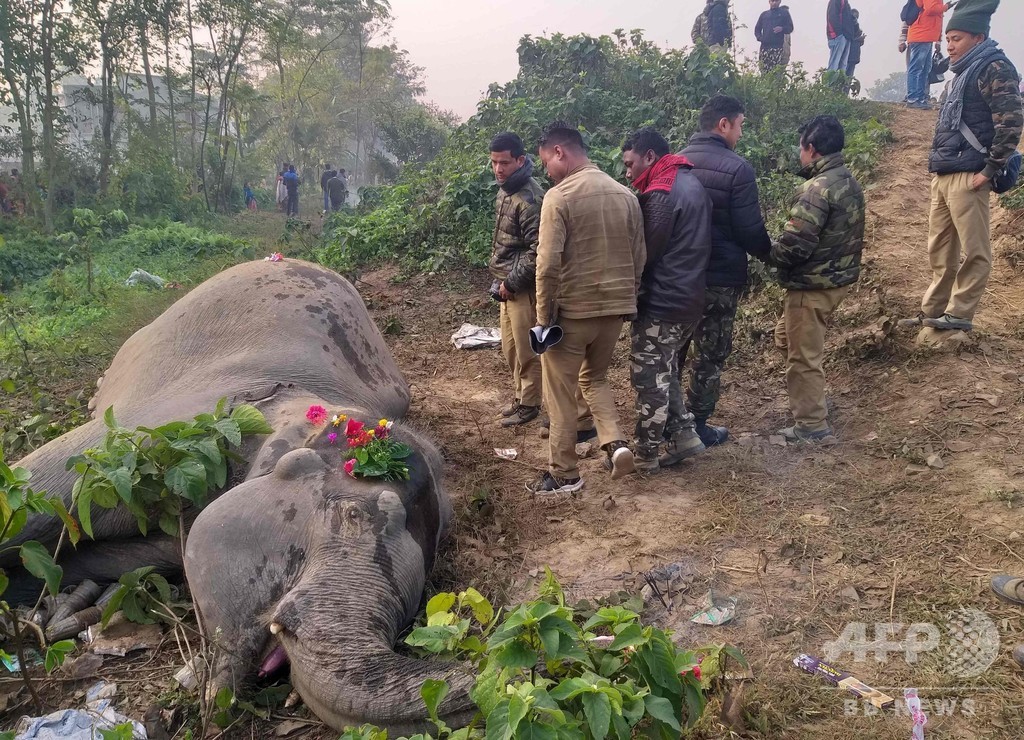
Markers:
{"x": 807, "y": 540}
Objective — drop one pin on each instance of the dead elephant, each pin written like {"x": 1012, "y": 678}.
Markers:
{"x": 336, "y": 565}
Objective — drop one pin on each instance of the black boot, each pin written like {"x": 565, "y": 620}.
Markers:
{"x": 711, "y": 435}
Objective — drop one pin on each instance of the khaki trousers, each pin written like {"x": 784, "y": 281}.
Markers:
{"x": 518, "y": 316}
{"x": 959, "y": 221}
{"x": 800, "y": 334}
{"x": 580, "y": 363}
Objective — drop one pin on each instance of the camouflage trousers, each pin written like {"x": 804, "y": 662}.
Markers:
{"x": 712, "y": 345}
{"x": 658, "y": 352}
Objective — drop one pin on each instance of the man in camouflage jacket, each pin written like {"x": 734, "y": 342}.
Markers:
{"x": 514, "y": 266}
{"x": 818, "y": 260}
{"x": 978, "y": 130}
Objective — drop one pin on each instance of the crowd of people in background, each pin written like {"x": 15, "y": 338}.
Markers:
{"x": 574, "y": 263}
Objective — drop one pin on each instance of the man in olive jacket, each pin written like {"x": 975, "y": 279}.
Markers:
{"x": 677, "y": 231}
{"x": 514, "y": 264}
{"x": 818, "y": 259}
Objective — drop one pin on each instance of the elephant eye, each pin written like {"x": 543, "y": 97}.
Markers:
{"x": 353, "y": 514}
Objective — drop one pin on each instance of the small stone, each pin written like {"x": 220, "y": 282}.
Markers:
{"x": 850, "y": 594}
{"x": 777, "y": 440}
{"x": 916, "y": 469}
{"x": 935, "y": 462}
{"x": 609, "y": 503}
{"x": 544, "y": 433}
{"x": 1010, "y": 375}
{"x": 959, "y": 446}
{"x": 584, "y": 450}
{"x": 84, "y": 666}
{"x": 747, "y": 441}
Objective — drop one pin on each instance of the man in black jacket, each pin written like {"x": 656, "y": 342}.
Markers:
{"x": 771, "y": 30}
{"x": 737, "y": 229}
{"x": 677, "y": 229}
{"x": 514, "y": 267}
{"x": 325, "y": 178}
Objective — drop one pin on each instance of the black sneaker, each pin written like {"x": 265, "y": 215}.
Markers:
{"x": 585, "y": 435}
{"x": 523, "y": 415}
{"x": 711, "y": 435}
{"x": 549, "y": 485}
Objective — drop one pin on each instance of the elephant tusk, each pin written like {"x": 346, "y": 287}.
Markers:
{"x": 275, "y": 628}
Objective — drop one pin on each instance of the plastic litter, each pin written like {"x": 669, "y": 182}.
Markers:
{"x": 917, "y": 714}
{"x": 715, "y": 615}
{"x": 470, "y": 336}
{"x": 508, "y": 454}
{"x": 141, "y": 277}
{"x": 76, "y": 724}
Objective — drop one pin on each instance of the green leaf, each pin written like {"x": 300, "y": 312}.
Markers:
{"x": 188, "y": 480}
{"x": 631, "y": 636}
{"x": 482, "y": 609}
{"x": 114, "y": 605}
{"x": 56, "y": 653}
{"x": 229, "y": 428}
{"x": 433, "y": 693}
{"x": 517, "y": 710}
{"x": 61, "y": 511}
{"x": 250, "y": 420}
{"x": 597, "y": 709}
{"x": 84, "y": 507}
{"x": 661, "y": 709}
{"x": 497, "y": 723}
{"x": 225, "y": 698}
{"x": 7, "y": 385}
{"x": 38, "y": 561}
{"x": 121, "y": 479}
{"x": 536, "y": 731}
{"x": 440, "y": 603}
{"x": 4, "y": 581}
{"x": 17, "y": 523}
{"x": 516, "y": 655}
{"x": 108, "y": 418}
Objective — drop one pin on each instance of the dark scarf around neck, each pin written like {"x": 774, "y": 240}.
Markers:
{"x": 518, "y": 179}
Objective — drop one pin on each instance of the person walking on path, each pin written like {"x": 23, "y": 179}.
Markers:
{"x": 337, "y": 191}
{"x": 250, "y": 197}
{"x": 514, "y": 265}
{"x": 772, "y": 28}
{"x": 922, "y": 35}
{"x": 325, "y": 178}
{"x": 291, "y": 185}
{"x": 978, "y": 130}
{"x": 590, "y": 258}
{"x": 839, "y": 27}
{"x": 818, "y": 258}
{"x": 677, "y": 231}
{"x": 737, "y": 229}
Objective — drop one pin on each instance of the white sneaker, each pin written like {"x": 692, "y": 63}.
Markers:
{"x": 622, "y": 463}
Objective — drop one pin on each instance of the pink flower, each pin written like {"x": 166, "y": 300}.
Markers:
{"x": 353, "y": 428}
{"x": 332, "y": 437}
{"x": 350, "y": 465}
{"x": 274, "y": 257}
{"x": 317, "y": 415}
{"x": 696, "y": 672}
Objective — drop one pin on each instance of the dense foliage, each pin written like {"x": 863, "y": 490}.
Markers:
{"x": 609, "y": 86}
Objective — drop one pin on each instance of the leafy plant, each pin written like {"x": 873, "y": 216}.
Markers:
{"x": 144, "y": 597}
{"x": 544, "y": 672}
{"x": 155, "y": 473}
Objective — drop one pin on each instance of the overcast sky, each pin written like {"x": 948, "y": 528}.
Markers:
{"x": 464, "y": 45}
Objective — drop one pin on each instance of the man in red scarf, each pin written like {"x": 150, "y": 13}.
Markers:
{"x": 677, "y": 229}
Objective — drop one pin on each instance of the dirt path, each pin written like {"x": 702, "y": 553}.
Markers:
{"x": 863, "y": 532}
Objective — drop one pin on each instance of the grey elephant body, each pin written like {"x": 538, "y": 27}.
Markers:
{"x": 339, "y": 563}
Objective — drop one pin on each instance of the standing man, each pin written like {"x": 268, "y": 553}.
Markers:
{"x": 737, "y": 229}
{"x": 291, "y": 186}
{"x": 771, "y": 30}
{"x": 839, "y": 27}
{"x": 855, "y": 48}
{"x": 677, "y": 230}
{"x": 922, "y": 35}
{"x": 818, "y": 256}
{"x": 589, "y": 262}
{"x": 514, "y": 265}
{"x": 325, "y": 178}
{"x": 979, "y": 128}
{"x": 337, "y": 191}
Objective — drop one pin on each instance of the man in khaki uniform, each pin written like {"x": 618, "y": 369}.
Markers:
{"x": 818, "y": 256}
{"x": 590, "y": 259}
{"x": 514, "y": 266}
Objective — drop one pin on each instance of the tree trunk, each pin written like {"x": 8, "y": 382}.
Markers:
{"x": 150, "y": 87}
{"x": 196, "y": 163}
{"x": 169, "y": 81}
{"x": 49, "y": 108}
{"x": 106, "y": 112}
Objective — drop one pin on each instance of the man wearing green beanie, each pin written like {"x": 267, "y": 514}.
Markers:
{"x": 979, "y": 128}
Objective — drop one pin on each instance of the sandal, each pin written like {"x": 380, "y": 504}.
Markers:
{"x": 1010, "y": 588}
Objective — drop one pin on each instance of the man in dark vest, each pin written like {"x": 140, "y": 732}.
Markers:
{"x": 978, "y": 130}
